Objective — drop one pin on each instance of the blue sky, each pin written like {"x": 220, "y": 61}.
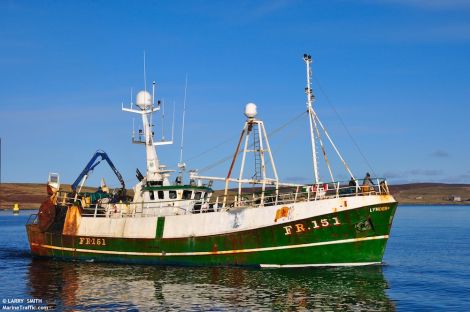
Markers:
{"x": 396, "y": 72}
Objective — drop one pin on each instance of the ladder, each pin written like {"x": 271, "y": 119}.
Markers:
{"x": 257, "y": 151}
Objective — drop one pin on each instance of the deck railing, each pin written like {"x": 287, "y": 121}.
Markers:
{"x": 307, "y": 193}
{"x": 284, "y": 196}
{"x": 32, "y": 219}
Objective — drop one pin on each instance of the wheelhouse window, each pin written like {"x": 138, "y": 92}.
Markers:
{"x": 161, "y": 195}
{"x": 172, "y": 194}
{"x": 187, "y": 194}
{"x": 152, "y": 195}
{"x": 197, "y": 195}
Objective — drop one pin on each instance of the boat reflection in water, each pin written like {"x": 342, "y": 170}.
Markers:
{"x": 93, "y": 286}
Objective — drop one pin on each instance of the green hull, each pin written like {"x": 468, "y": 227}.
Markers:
{"x": 352, "y": 237}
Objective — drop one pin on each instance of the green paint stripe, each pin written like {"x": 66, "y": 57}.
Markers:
{"x": 160, "y": 227}
{"x": 177, "y": 187}
{"x": 203, "y": 253}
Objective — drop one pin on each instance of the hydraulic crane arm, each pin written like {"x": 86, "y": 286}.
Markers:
{"x": 92, "y": 164}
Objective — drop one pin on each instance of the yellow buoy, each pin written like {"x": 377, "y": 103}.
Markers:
{"x": 16, "y": 208}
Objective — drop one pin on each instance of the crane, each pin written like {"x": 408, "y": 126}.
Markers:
{"x": 91, "y": 165}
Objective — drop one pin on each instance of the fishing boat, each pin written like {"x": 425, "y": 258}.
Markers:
{"x": 268, "y": 224}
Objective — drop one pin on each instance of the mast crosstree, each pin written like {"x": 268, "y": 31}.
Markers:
{"x": 146, "y": 107}
{"x": 145, "y": 102}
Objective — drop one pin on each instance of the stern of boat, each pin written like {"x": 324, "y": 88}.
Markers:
{"x": 36, "y": 237}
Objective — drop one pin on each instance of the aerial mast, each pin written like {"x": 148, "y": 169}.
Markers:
{"x": 145, "y": 106}
{"x": 311, "y": 114}
{"x": 181, "y": 164}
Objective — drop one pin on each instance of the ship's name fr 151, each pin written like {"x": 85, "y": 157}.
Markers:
{"x": 313, "y": 225}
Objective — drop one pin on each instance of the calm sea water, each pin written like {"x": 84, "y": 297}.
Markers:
{"x": 427, "y": 267}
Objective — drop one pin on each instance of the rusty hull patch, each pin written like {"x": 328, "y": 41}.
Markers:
{"x": 72, "y": 221}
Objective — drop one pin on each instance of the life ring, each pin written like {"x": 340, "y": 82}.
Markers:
{"x": 323, "y": 187}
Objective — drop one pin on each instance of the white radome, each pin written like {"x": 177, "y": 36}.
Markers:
{"x": 143, "y": 99}
{"x": 250, "y": 110}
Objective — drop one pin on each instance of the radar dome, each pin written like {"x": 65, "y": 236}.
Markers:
{"x": 250, "y": 110}
{"x": 143, "y": 99}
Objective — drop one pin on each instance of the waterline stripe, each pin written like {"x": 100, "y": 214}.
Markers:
{"x": 204, "y": 253}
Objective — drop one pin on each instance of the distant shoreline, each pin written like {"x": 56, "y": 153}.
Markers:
{"x": 399, "y": 205}
{"x": 31, "y": 195}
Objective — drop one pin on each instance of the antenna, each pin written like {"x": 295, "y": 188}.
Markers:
{"x": 163, "y": 120}
{"x": 133, "y": 128}
{"x": 182, "y": 165}
{"x": 153, "y": 104}
{"x": 132, "y": 91}
{"x": 145, "y": 74}
{"x": 153, "y": 92}
{"x": 173, "y": 122}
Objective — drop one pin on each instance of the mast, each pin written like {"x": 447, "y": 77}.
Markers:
{"x": 313, "y": 119}
{"x": 252, "y": 127}
{"x": 153, "y": 163}
{"x": 311, "y": 115}
{"x": 256, "y": 128}
{"x": 145, "y": 103}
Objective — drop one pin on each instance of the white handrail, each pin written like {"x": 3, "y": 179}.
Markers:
{"x": 284, "y": 196}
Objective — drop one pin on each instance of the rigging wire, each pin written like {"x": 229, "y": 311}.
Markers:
{"x": 213, "y": 148}
{"x": 222, "y": 160}
{"x": 281, "y": 142}
{"x": 317, "y": 82}
{"x": 325, "y": 157}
